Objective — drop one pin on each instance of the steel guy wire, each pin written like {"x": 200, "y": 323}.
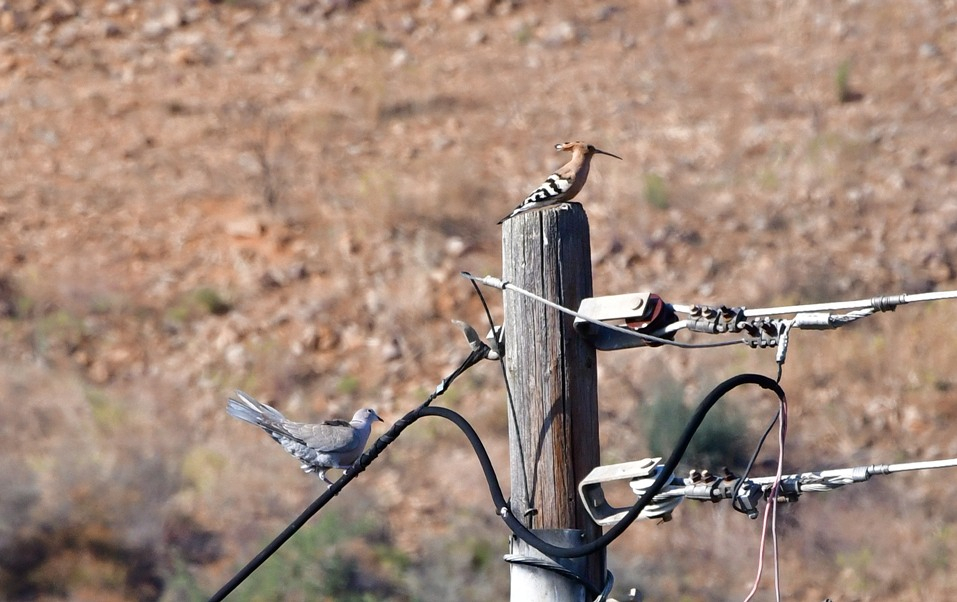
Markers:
{"x": 506, "y": 285}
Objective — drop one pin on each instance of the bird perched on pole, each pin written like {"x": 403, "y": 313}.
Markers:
{"x": 329, "y": 444}
{"x": 565, "y": 183}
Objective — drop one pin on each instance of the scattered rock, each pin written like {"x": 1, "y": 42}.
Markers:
{"x": 9, "y": 296}
{"x": 391, "y": 351}
{"x": 169, "y": 19}
{"x": 98, "y": 372}
{"x": 399, "y": 58}
{"x": 66, "y": 35}
{"x": 57, "y": 11}
{"x": 271, "y": 278}
{"x": 563, "y": 32}
{"x": 111, "y": 29}
{"x": 928, "y": 50}
{"x": 249, "y": 226}
{"x": 236, "y": 356}
{"x": 461, "y": 13}
{"x": 605, "y": 12}
{"x": 476, "y": 37}
{"x": 407, "y": 23}
{"x": 114, "y": 8}
{"x": 11, "y": 21}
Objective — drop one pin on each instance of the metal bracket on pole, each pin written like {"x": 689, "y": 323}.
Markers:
{"x": 643, "y": 312}
{"x": 593, "y": 496}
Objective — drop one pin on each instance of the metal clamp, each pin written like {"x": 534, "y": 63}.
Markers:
{"x": 593, "y": 496}
{"x": 643, "y": 312}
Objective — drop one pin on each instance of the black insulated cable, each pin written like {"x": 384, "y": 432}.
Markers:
{"x": 523, "y": 532}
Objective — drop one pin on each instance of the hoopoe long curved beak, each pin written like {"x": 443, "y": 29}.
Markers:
{"x": 598, "y": 151}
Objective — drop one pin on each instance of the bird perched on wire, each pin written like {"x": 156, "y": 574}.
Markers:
{"x": 565, "y": 183}
{"x": 329, "y": 444}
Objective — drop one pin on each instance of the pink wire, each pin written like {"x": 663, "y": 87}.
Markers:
{"x": 772, "y": 512}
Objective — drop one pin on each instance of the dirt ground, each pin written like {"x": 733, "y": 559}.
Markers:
{"x": 279, "y": 197}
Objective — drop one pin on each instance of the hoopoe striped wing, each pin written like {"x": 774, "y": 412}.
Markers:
{"x": 553, "y": 191}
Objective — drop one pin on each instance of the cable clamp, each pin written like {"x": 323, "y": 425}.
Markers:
{"x": 783, "y": 338}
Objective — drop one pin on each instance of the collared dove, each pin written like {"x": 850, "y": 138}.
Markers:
{"x": 330, "y": 444}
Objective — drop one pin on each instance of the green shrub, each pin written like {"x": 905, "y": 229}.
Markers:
{"x": 720, "y": 441}
{"x": 317, "y": 564}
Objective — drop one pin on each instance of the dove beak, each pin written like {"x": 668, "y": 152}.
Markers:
{"x": 601, "y": 152}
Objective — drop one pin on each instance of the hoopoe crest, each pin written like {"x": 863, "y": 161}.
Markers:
{"x": 565, "y": 183}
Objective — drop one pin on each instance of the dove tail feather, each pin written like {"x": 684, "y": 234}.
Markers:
{"x": 265, "y": 417}
{"x": 243, "y": 412}
{"x": 246, "y": 408}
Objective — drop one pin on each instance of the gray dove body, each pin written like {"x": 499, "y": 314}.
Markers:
{"x": 329, "y": 444}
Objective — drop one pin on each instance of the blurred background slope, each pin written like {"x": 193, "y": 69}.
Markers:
{"x": 203, "y": 196}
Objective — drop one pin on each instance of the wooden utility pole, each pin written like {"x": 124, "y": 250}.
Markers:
{"x": 553, "y": 417}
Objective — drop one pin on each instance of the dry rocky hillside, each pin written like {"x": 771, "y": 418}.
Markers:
{"x": 200, "y": 196}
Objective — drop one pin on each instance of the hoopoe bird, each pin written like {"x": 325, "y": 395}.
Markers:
{"x": 565, "y": 183}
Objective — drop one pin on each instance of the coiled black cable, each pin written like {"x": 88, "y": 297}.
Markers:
{"x": 523, "y": 532}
